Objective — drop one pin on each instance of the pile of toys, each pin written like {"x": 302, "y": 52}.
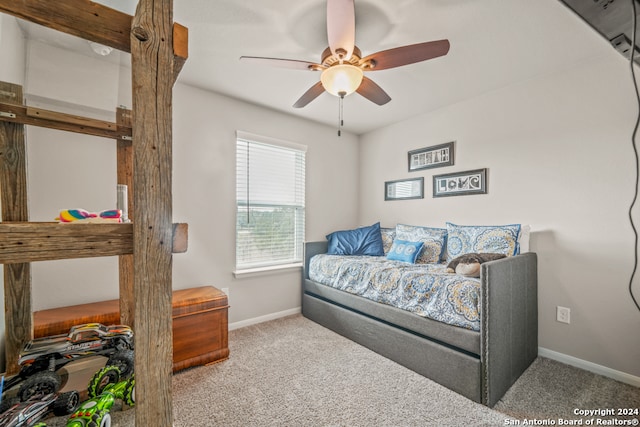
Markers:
{"x": 34, "y": 393}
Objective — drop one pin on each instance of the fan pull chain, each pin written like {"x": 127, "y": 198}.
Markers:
{"x": 340, "y": 112}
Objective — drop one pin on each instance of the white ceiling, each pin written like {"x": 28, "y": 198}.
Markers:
{"x": 494, "y": 44}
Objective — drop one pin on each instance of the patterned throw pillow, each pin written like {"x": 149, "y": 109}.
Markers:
{"x": 433, "y": 239}
{"x": 388, "y": 234}
{"x": 404, "y": 251}
{"x": 499, "y": 239}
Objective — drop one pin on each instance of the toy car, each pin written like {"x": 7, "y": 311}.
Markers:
{"x": 41, "y": 357}
{"x": 29, "y": 413}
{"x": 104, "y": 388}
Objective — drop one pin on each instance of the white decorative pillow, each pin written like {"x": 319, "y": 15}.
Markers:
{"x": 523, "y": 238}
{"x": 433, "y": 239}
{"x": 499, "y": 239}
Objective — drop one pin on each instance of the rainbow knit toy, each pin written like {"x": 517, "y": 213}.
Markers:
{"x": 83, "y": 216}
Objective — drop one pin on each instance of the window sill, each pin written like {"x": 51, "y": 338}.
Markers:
{"x": 261, "y": 271}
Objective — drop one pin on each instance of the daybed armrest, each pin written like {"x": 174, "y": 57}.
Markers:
{"x": 509, "y": 325}
{"x": 311, "y": 249}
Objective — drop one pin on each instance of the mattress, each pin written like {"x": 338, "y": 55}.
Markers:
{"x": 424, "y": 289}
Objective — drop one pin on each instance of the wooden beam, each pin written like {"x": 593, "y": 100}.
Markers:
{"x": 81, "y": 18}
{"x": 180, "y": 48}
{"x": 14, "y": 205}
{"x": 180, "y": 238}
{"x": 44, "y": 241}
{"x": 87, "y": 20}
{"x": 13, "y": 113}
{"x": 18, "y": 313}
{"x": 14, "y": 162}
{"x": 124, "y": 157}
{"x": 152, "y": 65}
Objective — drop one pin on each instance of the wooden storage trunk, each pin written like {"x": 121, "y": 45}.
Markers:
{"x": 200, "y": 324}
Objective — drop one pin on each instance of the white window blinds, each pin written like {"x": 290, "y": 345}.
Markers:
{"x": 270, "y": 202}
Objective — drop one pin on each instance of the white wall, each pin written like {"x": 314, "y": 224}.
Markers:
{"x": 75, "y": 171}
{"x": 204, "y": 193}
{"x": 84, "y": 81}
{"x": 67, "y": 170}
{"x": 558, "y": 150}
{"x": 12, "y": 50}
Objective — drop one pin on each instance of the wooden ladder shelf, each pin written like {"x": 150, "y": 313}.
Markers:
{"x": 158, "y": 50}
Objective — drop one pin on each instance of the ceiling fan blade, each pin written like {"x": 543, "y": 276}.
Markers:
{"x": 341, "y": 27}
{"x": 313, "y": 92}
{"x": 283, "y": 63}
{"x": 405, "y": 55}
{"x": 373, "y": 92}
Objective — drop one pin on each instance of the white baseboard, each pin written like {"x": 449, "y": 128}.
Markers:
{"x": 590, "y": 366}
{"x": 266, "y": 318}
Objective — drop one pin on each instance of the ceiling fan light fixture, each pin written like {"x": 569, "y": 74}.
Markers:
{"x": 341, "y": 80}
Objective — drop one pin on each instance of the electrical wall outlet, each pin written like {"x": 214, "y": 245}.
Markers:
{"x": 225, "y": 290}
{"x": 563, "y": 314}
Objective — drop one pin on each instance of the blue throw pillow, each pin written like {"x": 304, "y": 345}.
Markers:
{"x": 405, "y": 251}
{"x": 361, "y": 241}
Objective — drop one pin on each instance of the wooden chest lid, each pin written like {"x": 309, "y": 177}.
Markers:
{"x": 192, "y": 300}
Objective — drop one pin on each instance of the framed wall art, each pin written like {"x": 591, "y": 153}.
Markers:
{"x": 460, "y": 183}
{"x": 404, "y": 189}
{"x": 431, "y": 157}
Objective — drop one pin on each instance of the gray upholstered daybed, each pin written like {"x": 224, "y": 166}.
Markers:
{"x": 480, "y": 365}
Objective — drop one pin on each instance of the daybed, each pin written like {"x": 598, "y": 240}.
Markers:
{"x": 480, "y": 364}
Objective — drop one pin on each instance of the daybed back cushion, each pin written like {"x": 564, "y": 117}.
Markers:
{"x": 405, "y": 251}
{"x": 433, "y": 239}
{"x": 499, "y": 239}
{"x": 388, "y": 234}
{"x": 361, "y": 241}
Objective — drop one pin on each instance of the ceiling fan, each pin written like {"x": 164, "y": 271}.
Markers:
{"x": 342, "y": 64}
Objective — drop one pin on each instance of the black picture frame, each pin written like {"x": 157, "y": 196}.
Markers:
{"x": 404, "y": 189}
{"x": 460, "y": 183}
{"x": 436, "y": 156}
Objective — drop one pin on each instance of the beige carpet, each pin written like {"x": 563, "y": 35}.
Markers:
{"x": 293, "y": 372}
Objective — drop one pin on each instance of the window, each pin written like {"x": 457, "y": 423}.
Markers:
{"x": 270, "y": 181}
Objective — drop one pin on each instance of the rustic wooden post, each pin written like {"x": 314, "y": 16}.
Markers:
{"x": 125, "y": 176}
{"x": 152, "y": 66}
{"x": 13, "y": 201}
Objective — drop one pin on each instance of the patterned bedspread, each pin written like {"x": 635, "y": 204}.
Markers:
{"x": 424, "y": 289}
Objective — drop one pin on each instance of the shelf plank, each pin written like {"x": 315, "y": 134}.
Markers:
{"x": 62, "y": 121}
{"x": 27, "y": 242}
{"x": 22, "y": 242}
